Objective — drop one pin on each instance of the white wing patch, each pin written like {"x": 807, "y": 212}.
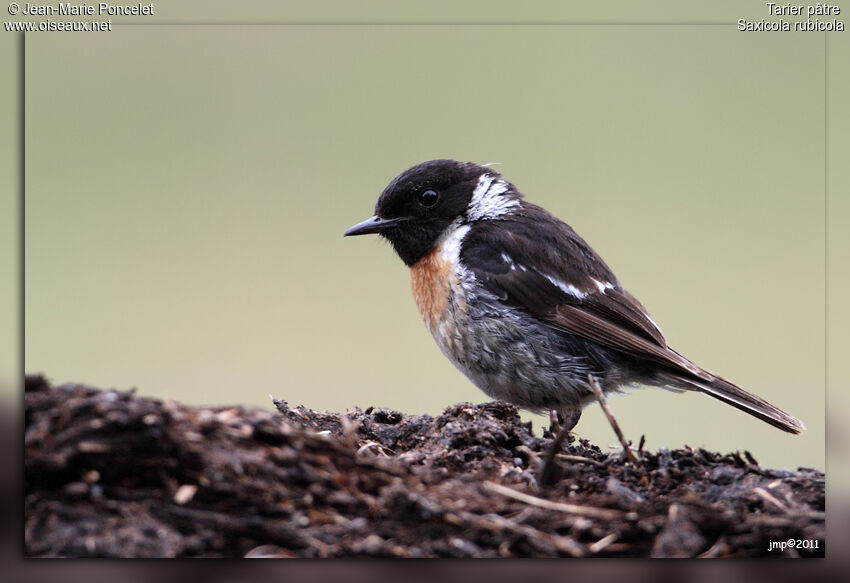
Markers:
{"x": 487, "y": 200}
{"x": 563, "y": 286}
{"x": 566, "y": 287}
{"x": 603, "y": 285}
{"x": 512, "y": 265}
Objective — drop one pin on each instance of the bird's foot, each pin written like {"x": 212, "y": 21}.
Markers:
{"x": 560, "y": 426}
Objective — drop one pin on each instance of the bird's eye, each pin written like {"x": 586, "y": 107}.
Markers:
{"x": 428, "y": 198}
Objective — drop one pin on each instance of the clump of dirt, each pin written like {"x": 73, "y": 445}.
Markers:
{"x": 111, "y": 474}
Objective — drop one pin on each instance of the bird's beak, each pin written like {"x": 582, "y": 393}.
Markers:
{"x": 374, "y": 225}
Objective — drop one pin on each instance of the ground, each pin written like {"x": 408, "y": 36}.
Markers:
{"x": 111, "y": 474}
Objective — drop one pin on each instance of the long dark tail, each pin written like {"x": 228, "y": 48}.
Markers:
{"x": 734, "y": 395}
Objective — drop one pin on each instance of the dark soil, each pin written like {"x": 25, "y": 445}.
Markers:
{"x": 111, "y": 474}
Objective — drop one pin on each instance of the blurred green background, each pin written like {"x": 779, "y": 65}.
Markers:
{"x": 187, "y": 189}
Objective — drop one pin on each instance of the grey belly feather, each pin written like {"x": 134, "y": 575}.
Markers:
{"x": 513, "y": 357}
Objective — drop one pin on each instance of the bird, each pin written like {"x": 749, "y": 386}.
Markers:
{"x": 522, "y": 305}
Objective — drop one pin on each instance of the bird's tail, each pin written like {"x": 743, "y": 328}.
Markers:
{"x": 734, "y": 395}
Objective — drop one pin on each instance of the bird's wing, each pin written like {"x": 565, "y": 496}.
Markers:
{"x": 540, "y": 265}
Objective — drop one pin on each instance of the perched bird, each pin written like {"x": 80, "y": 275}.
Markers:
{"x": 521, "y": 304}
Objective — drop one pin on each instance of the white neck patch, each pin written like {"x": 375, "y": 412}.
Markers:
{"x": 488, "y": 200}
{"x": 450, "y": 242}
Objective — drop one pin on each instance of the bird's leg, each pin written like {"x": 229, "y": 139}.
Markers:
{"x": 597, "y": 390}
{"x": 560, "y": 426}
{"x": 556, "y": 420}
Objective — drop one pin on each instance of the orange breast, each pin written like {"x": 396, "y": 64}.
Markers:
{"x": 430, "y": 279}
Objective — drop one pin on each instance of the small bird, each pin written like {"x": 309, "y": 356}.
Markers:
{"x": 521, "y": 304}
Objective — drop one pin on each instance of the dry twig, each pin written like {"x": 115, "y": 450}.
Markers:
{"x": 577, "y": 458}
{"x": 587, "y": 511}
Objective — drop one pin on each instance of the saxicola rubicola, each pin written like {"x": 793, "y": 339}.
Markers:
{"x": 521, "y": 304}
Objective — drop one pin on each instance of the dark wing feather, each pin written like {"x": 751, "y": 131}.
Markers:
{"x": 617, "y": 305}
{"x": 517, "y": 260}
{"x": 574, "y": 320}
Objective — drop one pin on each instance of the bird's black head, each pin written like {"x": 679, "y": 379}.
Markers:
{"x": 417, "y": 207}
